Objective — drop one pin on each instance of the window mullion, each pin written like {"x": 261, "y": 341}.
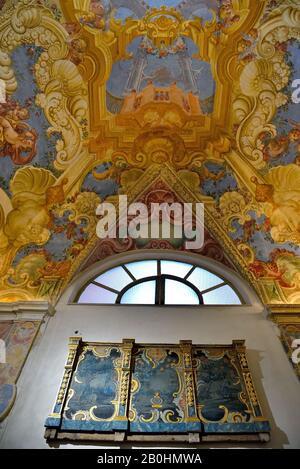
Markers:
{"x": 215, "y": 287}
{"x": 162, "y": 290}
{"x": 157, "y": 290}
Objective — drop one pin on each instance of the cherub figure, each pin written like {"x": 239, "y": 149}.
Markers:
{"x": 294, "y": 136}
{"x": 274, "y": 147}
{"x": 16, "y": 136}
{"x": 77, "y": 45}
{"x": 279, "y": 198}
{"x": 247, "y": 46}
{"x": 227, "y": 14}
{"x": 96, "y": 16}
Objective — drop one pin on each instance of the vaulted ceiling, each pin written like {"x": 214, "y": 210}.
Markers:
{"x": 189, "y": 101}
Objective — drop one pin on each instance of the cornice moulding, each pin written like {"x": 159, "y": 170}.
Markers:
{"x": 285, "y": 314}
{"x": 31, "y": 310}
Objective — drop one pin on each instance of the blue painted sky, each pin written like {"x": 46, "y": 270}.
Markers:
{"x": 102, "y": 188}
{"x": 217, "y": 188}
{"x": 286, "y": 114}
{"x": 293, "y": 110}
{"x": 159, "y": 3}
{"x": 171, "y": 68}
{"x": 189, "y": 8}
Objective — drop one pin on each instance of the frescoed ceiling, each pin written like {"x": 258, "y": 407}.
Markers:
{"x": 189, "y": 101}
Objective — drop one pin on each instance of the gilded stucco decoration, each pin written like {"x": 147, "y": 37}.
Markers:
{"x": 191, "y": 100}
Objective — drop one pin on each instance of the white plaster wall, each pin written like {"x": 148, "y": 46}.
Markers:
{"x": 276, "y": 383}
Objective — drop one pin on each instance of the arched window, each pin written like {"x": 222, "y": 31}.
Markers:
{"x": 158, "y": 282}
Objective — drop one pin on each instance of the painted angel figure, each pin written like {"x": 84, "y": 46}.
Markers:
{"x": 280, "y": 199}
{"x": 17, "y": 139}
{"x": 96, "y": 17}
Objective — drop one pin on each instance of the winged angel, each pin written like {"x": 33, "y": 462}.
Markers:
{"x": 280, "y": 202}
{"x": 17, "y": 139}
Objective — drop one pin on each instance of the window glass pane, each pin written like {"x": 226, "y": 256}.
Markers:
{"x": 142, "y": 269}
{"x": 177, "y": 293}
{"x": 143, "y": 293}
{"x": 221, "y": 296}
{"x": 94, "y": 294}
{"x": 115, "y": 278}
{"x": 179, "y": 269}
{"x": 203, "y": 279}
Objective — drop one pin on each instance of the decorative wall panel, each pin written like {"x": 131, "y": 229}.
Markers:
{"x": 290, "y": 337}
{"x": 18, "y": 337}
{"x": 143, "y": 391}
{"x": 287, "y": 317}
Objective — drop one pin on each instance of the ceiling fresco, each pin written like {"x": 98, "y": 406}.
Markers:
{"x": 188, "y": 101}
